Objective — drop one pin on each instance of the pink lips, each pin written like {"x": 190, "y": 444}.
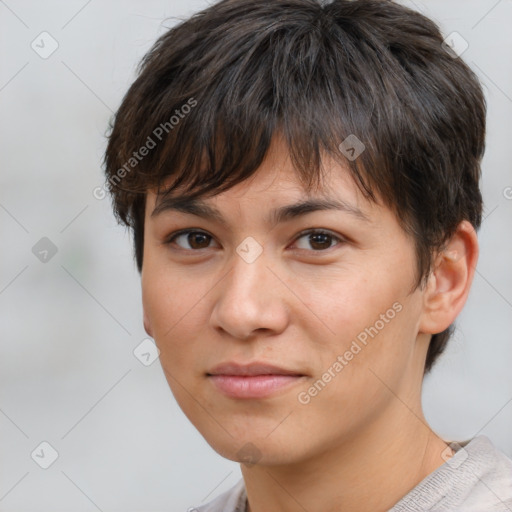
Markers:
{"x": 256, "y": 380}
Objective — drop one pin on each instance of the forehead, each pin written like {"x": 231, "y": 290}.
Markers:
{"x": 275, "y": 182}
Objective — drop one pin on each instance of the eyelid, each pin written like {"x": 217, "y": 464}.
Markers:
{"x": 320, "y": 231}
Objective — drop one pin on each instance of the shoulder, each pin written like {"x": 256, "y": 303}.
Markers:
{"x": 478, "y": 477}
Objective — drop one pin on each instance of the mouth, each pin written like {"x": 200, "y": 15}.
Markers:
{"x": 254, "y": 380}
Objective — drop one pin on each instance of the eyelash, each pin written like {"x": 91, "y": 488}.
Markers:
{"x": 172, "y": 237}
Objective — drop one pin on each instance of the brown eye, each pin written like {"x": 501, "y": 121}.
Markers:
{"x": 318, "y": 240}
{"x": 195, "y": 239}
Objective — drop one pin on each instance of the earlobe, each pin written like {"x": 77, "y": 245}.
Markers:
{"x": 450, "y": 281}
{"x": 147, "y": 325}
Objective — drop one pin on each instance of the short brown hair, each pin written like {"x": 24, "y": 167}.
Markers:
{"x": 214, "y": 89}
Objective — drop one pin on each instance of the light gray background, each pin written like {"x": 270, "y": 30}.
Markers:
{"x": 70, "y": 325}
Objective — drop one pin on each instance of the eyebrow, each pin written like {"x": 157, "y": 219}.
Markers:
{"x": 279, "y": 215}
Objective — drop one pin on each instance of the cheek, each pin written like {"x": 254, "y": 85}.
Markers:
{"x": 343, "y": 304}
{"x": 360, "y": 370}
{"x": 364, "y": 325}
{"x": 173, "y": 309}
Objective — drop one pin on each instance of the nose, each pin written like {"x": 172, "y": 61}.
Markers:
{"x": 250, "y": 298}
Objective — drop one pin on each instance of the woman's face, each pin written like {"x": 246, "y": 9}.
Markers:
{"x": 246, "y": 285}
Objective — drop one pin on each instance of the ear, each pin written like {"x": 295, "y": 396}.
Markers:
{"x": 147, "y": 325}
{"x": 450, "y": 280}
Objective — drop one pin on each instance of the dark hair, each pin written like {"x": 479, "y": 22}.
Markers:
{"x": 213, "y": 91}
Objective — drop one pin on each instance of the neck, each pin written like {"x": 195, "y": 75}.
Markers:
{"x": 371, "y": 471}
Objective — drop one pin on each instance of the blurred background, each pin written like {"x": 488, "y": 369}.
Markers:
{"x": 76, "y": 394}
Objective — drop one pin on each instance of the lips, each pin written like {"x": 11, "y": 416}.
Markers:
{"x": 252, "y": 381}
{"x": 254, "y": 368}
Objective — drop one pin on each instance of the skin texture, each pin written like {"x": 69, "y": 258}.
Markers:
{"x": 362, "y": 442}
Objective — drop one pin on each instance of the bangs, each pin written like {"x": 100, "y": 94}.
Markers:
{"x": 212, "y": 132}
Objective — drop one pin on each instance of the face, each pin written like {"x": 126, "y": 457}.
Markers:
{"x": 325, "y": 294}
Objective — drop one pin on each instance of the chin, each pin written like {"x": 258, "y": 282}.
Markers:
{"x": 253, "y": 450}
